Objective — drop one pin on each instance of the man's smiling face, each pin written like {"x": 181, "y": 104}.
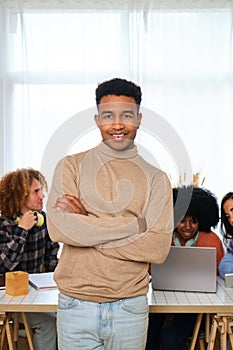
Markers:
{"x": 118, "y": 121}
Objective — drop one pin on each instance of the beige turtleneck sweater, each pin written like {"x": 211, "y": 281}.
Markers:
{"x": 104, "y": 256}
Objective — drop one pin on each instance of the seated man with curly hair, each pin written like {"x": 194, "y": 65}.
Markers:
{"x": 25, "y": 244}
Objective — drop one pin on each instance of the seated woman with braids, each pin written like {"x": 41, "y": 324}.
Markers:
{"x": 226, "y": 264}
{"x": 196, "y": 211}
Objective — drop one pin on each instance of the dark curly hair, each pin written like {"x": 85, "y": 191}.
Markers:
{"x": 198, "y": 203}
{"x": 226, "y": 228}
{"x": 118, "y": 87}
{"x": 14, "y": 190}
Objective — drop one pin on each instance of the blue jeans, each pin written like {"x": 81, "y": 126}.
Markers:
{"x": 117, "y": 325}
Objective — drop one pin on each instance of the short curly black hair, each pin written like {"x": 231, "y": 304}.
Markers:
{"x": 226, "y": 228}
{"x": 198, "y": 203}
{"x": 118, "y": 87}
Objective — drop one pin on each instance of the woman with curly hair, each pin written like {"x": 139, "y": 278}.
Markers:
{"x": 202, "y": 214}
{"x": 196, "y": 211}
{"x": 226, "y": 264}
{"x": 24, "y": 240}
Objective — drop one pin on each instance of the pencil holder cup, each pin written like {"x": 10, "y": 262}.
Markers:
{"x": 17, "y": 283}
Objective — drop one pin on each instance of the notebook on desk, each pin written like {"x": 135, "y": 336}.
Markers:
{"x": 190, "y": 269}
{"x": 41, "y": 281}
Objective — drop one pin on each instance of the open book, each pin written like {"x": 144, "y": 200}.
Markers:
{"x": 42, "y": 280}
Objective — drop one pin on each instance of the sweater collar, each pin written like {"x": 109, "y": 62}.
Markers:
{"x": 125, "y": 154}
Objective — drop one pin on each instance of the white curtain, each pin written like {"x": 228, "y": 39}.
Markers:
{"x": 54, "y": 53}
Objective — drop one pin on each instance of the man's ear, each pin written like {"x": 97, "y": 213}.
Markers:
{"x": 97, "y": 120}
{"x": 139, "y": 120}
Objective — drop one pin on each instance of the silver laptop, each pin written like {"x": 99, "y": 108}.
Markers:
{"x": 190, "y": 269}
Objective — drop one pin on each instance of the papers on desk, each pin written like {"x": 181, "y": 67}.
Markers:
{"x": 41, "y": 281}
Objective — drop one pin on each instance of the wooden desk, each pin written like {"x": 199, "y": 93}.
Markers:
{"x": 34, "y": 301}
{"x": 159, "y": 301}
{"x": 219, "y": 303}
{"x": 181, "y": 302}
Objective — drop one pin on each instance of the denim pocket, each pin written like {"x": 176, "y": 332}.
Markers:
{"x": 66, "y": 302}
{"x": 137, "y": 305}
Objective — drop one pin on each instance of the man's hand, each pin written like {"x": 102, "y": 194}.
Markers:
{"x": 27, "y": 220}
{"x": 69, "y": 204}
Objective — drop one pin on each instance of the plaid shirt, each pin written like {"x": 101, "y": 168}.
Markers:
{"x": 31, "y": 251}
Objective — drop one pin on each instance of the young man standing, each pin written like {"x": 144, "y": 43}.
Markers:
{"x": 113, "y": 212}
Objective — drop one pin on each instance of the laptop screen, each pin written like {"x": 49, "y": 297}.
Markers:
{"x": 186, "y": 269}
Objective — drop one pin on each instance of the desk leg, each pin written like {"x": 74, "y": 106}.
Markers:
{"x": 229, "y": 331}
{"x": 207, "y": 328}
{"x": 224, "y": 325}
{"x": 16, "y": 327}
{"x": 213, "y": 333}
{"x": 3, "y": 328}
{"x": 28, "y": 331}
{"x": 223, "y": 331}
{"x": 11, "y": 344}
{"x": 196, "y": 331}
